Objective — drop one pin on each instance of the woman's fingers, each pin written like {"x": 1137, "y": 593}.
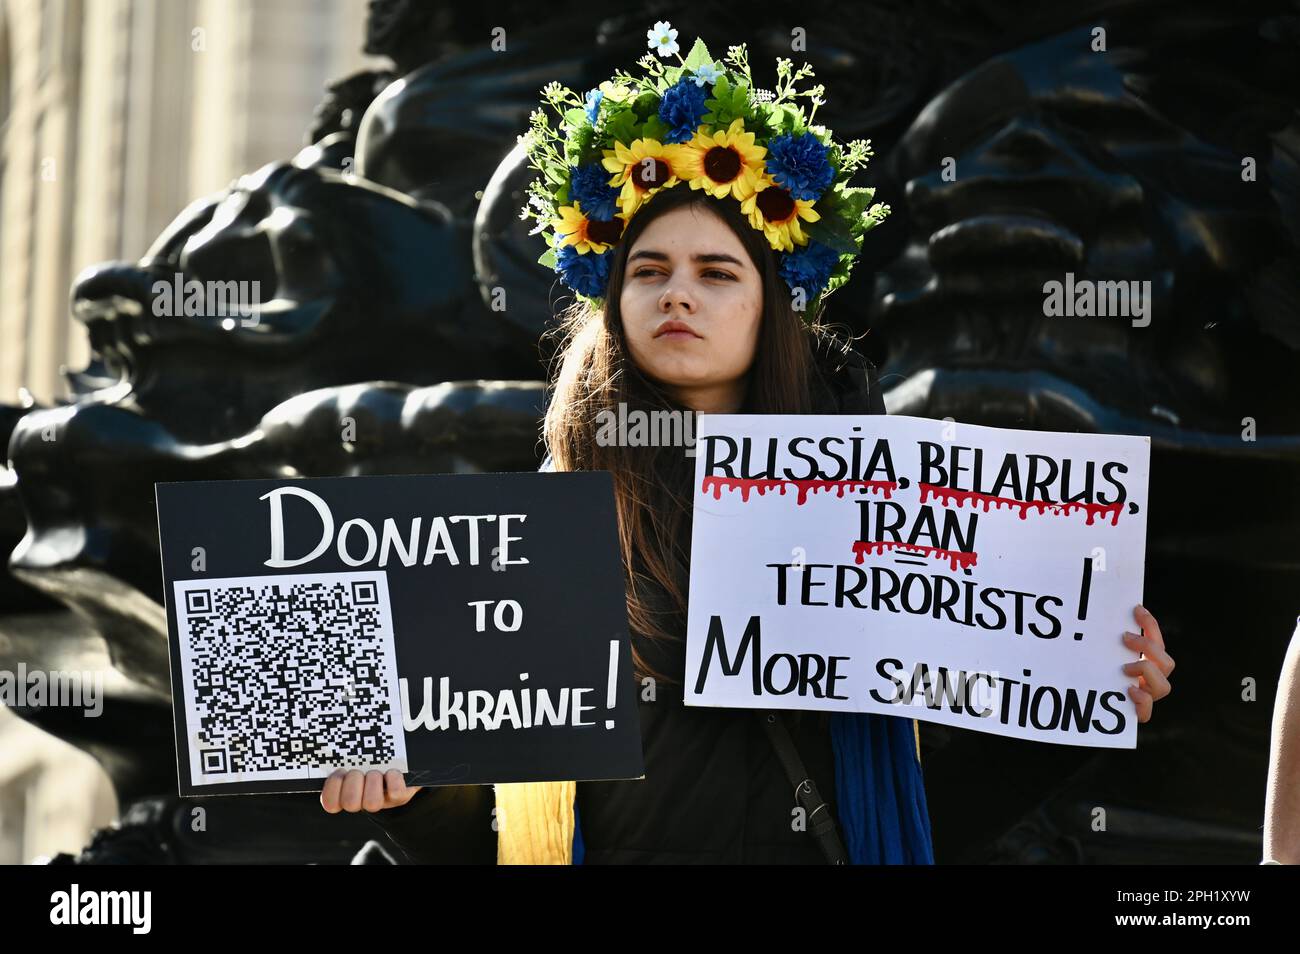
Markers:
{"x": 353, "y": 788}
{"x": 1153, "y": 670}
{"x": 1148, "y": 647}
{"x": 329, "y": 795}
{"x": 397, "y": 792}
{"x": 373, "y": 791}
{"x": 1156, "y": 684}
{"x": 372, "y": 797}
{"x": 1142, "y": 699}
{"x": 1150, "y": 628}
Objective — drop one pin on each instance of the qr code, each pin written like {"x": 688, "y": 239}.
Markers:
{"x": 288, "y": 677}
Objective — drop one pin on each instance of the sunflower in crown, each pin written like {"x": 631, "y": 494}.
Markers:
{"x": 703, "y": 125}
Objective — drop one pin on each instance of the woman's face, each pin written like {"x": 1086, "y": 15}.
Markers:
{"x": 692, "y": 303}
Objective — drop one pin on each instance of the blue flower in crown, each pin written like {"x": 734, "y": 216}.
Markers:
{"x": 809, "y": 267}
{"x": 594, "y": 97}
{"x": 586, "y": 274}
{"x": 682, "y": 109}
{"x": 589, "y": 187}
{"x": 799, "y": 165}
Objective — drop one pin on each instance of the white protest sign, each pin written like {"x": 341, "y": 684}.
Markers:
{"x": 978, "y": 577}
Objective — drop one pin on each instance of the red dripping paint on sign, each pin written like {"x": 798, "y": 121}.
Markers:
{"x": 954, "y": 557}
{"x": 946, "y": 496}
{"x": 763, "y": 484}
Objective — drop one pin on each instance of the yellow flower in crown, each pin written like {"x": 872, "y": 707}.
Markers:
{"x": 776, "y": 213}
{"x": 723, "y": 162}
{"x": 586, "y": 235}
{"x": 642, "y": 169}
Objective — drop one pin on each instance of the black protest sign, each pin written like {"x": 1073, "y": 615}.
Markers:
{"x": 464, "y": 629}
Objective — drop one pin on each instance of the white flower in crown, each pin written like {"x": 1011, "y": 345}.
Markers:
{"x": 762, "y": 95}
{"x": 663, "y": 39}
{"x": 542, "y": 206}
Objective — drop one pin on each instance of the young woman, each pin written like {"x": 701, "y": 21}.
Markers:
{"x": 697, "y": 319}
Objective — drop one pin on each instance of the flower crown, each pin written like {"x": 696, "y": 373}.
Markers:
{"x": 705, "y": 124}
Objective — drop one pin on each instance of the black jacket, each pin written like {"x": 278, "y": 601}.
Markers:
{"x": 713, "y": 792}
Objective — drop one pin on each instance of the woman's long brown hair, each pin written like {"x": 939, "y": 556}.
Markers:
{"x": 592, "y": 371}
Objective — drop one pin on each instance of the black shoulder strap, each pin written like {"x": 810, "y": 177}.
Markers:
{"x": 820, "y": 820}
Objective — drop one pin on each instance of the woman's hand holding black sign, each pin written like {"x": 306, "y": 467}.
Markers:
{"x": 374, "y": 791}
